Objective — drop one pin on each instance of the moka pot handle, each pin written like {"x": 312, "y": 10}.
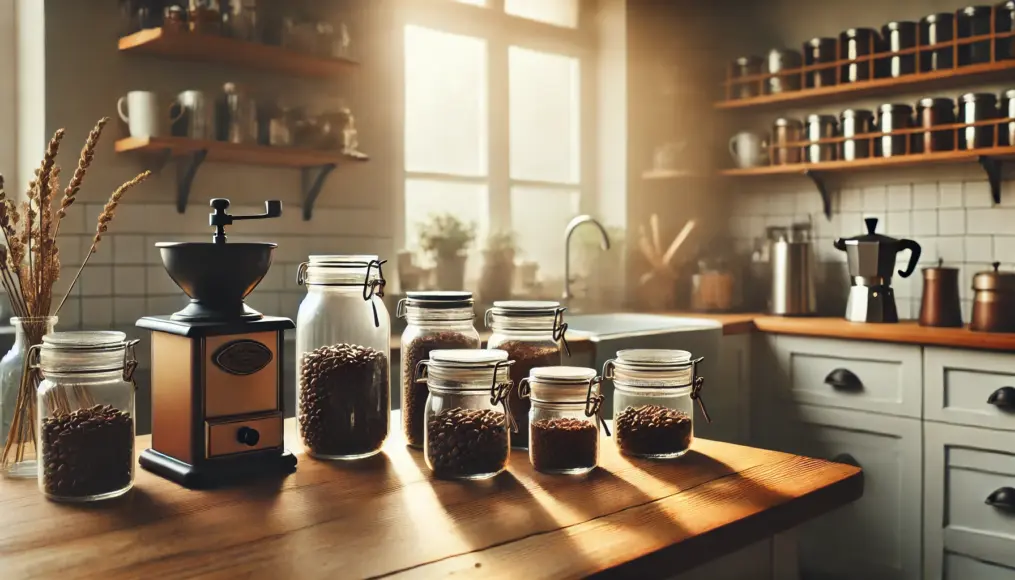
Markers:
{"x": 914, "y": 256}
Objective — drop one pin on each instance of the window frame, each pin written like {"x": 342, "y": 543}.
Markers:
{"x": 501, "y": 31}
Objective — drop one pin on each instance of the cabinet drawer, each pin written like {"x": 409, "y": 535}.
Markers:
{"x": 964, "y": 466}
{"x": 958, "y": 567}
{"x": 877, "y": 536}
{"x": 224, "y": 437}
{"x": 969, "y": 387}
{"x": 868, "y": 376}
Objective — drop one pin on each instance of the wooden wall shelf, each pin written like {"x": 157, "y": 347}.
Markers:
{"x": 226, "y": 50}
{"x": 189, "y": 154}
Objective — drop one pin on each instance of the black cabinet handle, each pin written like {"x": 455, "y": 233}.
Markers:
{"x": 1003, "y": 398}
{"x": 844, "y": 380}
{"x": 1002, "y": 498}
{"x": 847, "y": 459}
{"x": 248, "y": 436}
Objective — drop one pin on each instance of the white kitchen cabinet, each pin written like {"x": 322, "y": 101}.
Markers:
{"x": 878, "y": 536}
{"x": 967, "y": 471}
{"x": 727, "y": 396}
{"x": 967, "y": 387}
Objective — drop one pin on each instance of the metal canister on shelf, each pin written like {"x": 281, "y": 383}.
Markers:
{"x": 820, "y": 127}
{"x": 932, "y": 112}
{"x": 856, "y": 122}
{"x": 784, "y": 132}
{"x": 1007, "y": 136}
{"x": 818, "y": 51}
{"x": 855, "y": 43}
{"x": 778, "y": 61}
{"x": 974, "y": 107}
{"x": 742, "y": 67}
{"x": 974, "y": 21}
{"x": 1004, "y": 21}
{"x": 891, "y": 118}
{"x": 899, "y": 36}
{"x": 935, "y": 30}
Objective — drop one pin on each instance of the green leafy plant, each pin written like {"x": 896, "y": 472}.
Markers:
{"x": 445, "y": 235}
{"x": 501, "y": 246}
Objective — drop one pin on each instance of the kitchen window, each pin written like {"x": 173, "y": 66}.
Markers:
{"x": 494, "y": 121}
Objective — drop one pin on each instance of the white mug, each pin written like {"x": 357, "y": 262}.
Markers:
{"x": 747, "y": 149}
{"x": 144, "y": 116}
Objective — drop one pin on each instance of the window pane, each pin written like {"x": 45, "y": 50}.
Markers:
{"x": 544, "y": 92}
{"x": 445, "y": 102}
{"x": 558, "y": 12}
{"x": 473, "y": 2}
{"x": 541, "y": 233}
{"x": 466, "y": 201}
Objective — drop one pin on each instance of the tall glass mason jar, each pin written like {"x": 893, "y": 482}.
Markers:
{"x": 468, "y": 423}
{"x": 653, "y": 401}
{"x": 434, "y": 321}
{"x": 564, "y": 419}
{"x": 532, "y": 333}
{"x": 342, "y": 348}
{"x": 86, "y": 414}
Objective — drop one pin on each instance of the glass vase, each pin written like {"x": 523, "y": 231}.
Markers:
{"x": 18, "y": 398}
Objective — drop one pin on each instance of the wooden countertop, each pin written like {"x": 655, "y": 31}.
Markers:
{"x": 908, "y": 332}
{"x": 386, "y": 516}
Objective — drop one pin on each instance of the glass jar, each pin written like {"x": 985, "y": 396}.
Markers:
{"x": 653, "y": 401}
{"x": 532, "y": 333}
{"x": 342, "y": 346}
{"x": 86, "y": 414}
{"x": 563, "y": 435}
{"x": 17, "y": 413}
{"x": 468, "y": 423}
{"x": 434, "y": 321}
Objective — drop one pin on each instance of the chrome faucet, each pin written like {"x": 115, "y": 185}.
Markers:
{"x": 571, "y": 227}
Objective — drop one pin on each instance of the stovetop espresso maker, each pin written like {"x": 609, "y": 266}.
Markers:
{"x": 871, "y": 261}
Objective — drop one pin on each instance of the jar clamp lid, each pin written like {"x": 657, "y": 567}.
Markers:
{"x": 327, "y": 270}
{"x": 520, "y": 309}
{"x": 994, "y": 280}
{"x": 437, "y": 299}
{"x": 644, "y": 362}
{"x": 564, "y": 379}
{"x": 464, "y": 360}
{"x": 81, "y": 352}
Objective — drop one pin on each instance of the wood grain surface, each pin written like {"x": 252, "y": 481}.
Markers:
{"x": 908, "y": 332}
{"x": 222, "y": 151}
{"x": 386, "y": 516}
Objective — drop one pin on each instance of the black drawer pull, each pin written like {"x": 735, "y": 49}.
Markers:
{"x": 844, "y": 380}
{"x": 847, "y": 459}
{"x": 1003, "y": 398}
{"x": 1002, "y": 498}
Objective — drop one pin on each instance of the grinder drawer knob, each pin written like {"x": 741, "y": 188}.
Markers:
{"x": 248, "y": 436}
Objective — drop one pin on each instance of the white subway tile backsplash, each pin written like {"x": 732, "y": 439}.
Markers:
{"x": 924, "y": 222}
{"x": 809, "y": 202}
{"x": 1007, "y": 193}
{"x": 951, "y": 222}
{"x": 126, "y": 310}
{"x": 96, "y": 312}
{"x": 159, "y": 282}
{"x": 928, "y": 249}
{"x": 951, "y": 194}
{"x": 900, "y": 197}
{"x": 951, "y": 249}
{"x": 990, "y": 221}
{"x": 899, "y": 223}
{"x": 129, "y": 280}
{"x": 850, "y": 200}
{"x": 977, "y": 194}
{"x": 128, "y": 249}
{"x": 967, "y": 311}
{"x": 1004, "y": 248}
{"x": 70, "y": 313}
{"x": 96, "y": 281}
{"x": 925, "y": 195}
{"x": 875, "y": 198}
{"x": 782, "y": 204}
{"x": 979, "y": 248}
{"x": 850, "y": 224}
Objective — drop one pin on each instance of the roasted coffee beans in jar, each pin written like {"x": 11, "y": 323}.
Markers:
{"x": 564, "y": 419}
{"x": 653, "y": 401}
{"x": 86, "y": 414}
{"x": 468, "y": 423}
{"x": 532, "y": 333}
{"x": 343, "y": 374}
{"x": 434, "y": 321}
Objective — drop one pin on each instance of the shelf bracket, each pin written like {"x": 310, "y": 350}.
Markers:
{"x": 186, "y": 169}
{"x": 992, "y": 167}
{"x": 819, "y": 182}
{"x": 313, "y": 180}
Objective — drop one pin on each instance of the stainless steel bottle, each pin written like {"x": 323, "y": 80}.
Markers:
{"x": 792, "y": 272}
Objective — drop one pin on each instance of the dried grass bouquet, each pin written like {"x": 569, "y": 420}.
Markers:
{"x": 30, "y": 266}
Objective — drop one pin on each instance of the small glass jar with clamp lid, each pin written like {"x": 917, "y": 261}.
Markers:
{"x": 532, "y": 332}
{"x": 564, "y": 419}
{"x": 436, "y": 320}
{"x": 342, "y": 349}
{"x": 653, "y": 401}
{"x": 468, "y": 423}
{"x": 86, "y": 414}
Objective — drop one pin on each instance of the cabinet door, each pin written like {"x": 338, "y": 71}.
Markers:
{"x": 877, "y": 536}
{"x": 966, "y": 387}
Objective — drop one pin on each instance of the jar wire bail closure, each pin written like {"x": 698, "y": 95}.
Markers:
{"x": 559, "y": 328}
{"x": 593, "y": 401}
{"x": 697, "y": 381}
{"x": 371, "y": 288}
{"x": 499, "y": 392}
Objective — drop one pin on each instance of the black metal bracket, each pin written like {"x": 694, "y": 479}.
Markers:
{"x": 819, "y": 182}
{"x": 186, "y": 169}
{"x": 313, "y": 180}
{"x": 992, "y": 167}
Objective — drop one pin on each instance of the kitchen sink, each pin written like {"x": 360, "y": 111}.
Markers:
{"x": 611, "y": 332}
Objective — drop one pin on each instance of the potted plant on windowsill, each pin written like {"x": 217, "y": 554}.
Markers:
{"x": 497, "y": 279}
{"x": 446, "y": 238}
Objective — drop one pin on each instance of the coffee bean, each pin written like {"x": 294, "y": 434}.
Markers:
{"x": 653, "y": 430}
{"x": 563, "y": 444}
{"x": 414, "y": 394}
{"x": 87, "y": 452}
{"x": 527, "y": 356}
{"x": 344, "y": 400}
{"x": 467, "y": 442}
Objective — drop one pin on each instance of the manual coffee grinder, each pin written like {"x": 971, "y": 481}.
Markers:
{"x": 217, "y": 365}
{"x": 871, "y": 261}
